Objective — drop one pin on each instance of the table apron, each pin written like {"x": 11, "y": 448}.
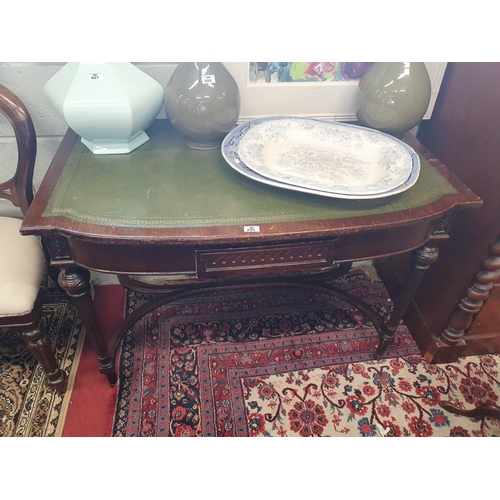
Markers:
{"x": 150, "y": 257}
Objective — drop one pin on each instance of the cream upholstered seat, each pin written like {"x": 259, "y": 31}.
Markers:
{"x": 22, "y": 258}
{"x": 21, "y": 269}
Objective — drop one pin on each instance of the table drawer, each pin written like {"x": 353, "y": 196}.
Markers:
{"x": 268, "y": 259}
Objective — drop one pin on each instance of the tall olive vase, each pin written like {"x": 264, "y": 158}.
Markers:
{"x": 202, "y": 101}
{"x": 394, "y": 96}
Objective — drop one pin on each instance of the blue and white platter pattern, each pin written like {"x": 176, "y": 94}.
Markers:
{"x": 320, "y": 157}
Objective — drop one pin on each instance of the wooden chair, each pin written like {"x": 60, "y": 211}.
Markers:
{"x": 23, "y": 267}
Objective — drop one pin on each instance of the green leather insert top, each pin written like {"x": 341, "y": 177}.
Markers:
{"x": 164, "y": 183}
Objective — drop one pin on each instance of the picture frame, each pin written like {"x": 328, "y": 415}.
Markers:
{"x": 330, "y": 100}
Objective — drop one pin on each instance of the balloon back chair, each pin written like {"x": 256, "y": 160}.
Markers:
{"x": 23, "y": 266}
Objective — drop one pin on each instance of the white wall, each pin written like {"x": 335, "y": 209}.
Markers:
{"x": 27, "y": 81}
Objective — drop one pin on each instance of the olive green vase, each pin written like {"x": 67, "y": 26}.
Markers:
{"x": 202, "y": 101}
{"x": 394, "y": 96}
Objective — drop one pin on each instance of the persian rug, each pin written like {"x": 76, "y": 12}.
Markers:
{"x": 288, "y": 362}
{"x": 27, "y": 406}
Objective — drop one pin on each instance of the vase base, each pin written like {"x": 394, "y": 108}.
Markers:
{"x": 203, "y": 145}
{"x": 118, "y": 147}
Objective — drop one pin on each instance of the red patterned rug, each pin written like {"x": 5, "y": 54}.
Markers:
{"x": 288, "y": 362}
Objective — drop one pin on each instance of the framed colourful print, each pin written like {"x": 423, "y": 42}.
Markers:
{"x": 315, "y": 89}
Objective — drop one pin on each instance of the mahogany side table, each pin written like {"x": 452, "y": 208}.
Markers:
{"x": 168, "y": 210}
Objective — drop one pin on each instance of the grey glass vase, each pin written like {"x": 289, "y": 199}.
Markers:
{"x": 202, "y": 101}
{"x": 394, "y": 96}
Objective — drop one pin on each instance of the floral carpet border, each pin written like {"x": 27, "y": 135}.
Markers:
{"x": 222, "y": 368}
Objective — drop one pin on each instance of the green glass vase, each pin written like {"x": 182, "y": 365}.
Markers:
{"x": 202, "y": 101}
{"x": 394, "y": 96}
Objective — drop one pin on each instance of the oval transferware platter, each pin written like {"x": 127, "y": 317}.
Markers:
{"x": 321, "y": 157}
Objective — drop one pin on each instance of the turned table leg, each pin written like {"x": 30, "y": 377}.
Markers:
{"x": 421, "y": 260}
{"x": 76, "y": 282}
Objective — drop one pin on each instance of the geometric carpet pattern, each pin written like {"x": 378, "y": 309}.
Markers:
{"x": 289, "y": 362}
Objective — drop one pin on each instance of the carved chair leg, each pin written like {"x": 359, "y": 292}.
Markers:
{"x": 483, "y": 410}
{"x": 39, "y": 346}
{"x": 76, "y": 282}
{"x": 421, "y": 260}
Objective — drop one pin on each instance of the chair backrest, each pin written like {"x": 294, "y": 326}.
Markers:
{"x": 19, "y": 189}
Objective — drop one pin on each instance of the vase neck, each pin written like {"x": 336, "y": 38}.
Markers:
{"x": 201, "y": 65}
